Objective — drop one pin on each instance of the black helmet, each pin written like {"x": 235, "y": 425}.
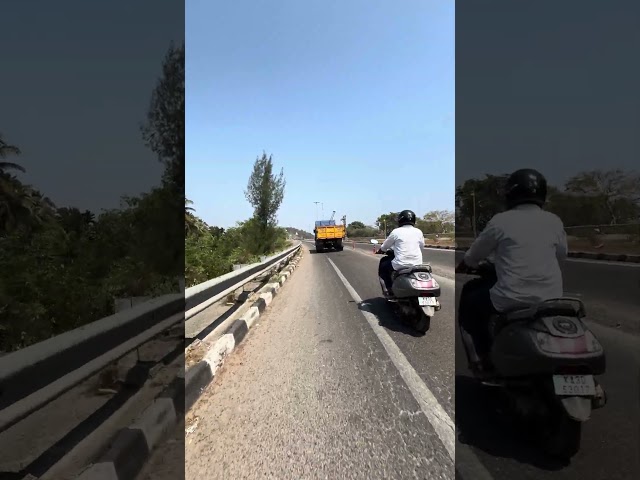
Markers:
{"x": 526, "y": 186}
{"x": 406, "y": 217}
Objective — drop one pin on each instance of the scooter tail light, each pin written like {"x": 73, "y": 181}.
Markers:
{"x": 552, "y": 344}
{"x": 424, "y": 285}
{"x": 593, "y": 345}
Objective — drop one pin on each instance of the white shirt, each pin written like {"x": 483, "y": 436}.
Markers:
{"x": 407, "y": 243}
{"x": 527, "y": 244}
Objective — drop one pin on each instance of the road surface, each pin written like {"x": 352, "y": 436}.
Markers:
{"x": 316, "y": 391}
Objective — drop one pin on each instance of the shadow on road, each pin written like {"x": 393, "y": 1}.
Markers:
{"x": 483, "y": 422}
{"x": 387, "y": 316}
{"x": 325, "y": 252}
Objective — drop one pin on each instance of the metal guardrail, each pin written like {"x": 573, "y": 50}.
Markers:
{"x": 199, "y": 297}
{"x": 34, "y": 376}
{"x": 39, "y": 373}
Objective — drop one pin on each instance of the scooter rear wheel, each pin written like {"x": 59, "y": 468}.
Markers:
{"x": 423, "y": 324}
{"x": 563, "y": 439}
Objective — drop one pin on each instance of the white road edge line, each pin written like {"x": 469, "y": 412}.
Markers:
{"x": 438, "y": 418}
{"x": 468, "y": 465}
{"x": 603, "y": 262}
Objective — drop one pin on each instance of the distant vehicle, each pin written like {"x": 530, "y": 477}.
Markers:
{"x": 328, "y": 235}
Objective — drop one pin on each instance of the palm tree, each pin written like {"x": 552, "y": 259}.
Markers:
{"x": 19, "y": 204}
{"x": 192, "y": 224}
{"x": 6, "y": 150}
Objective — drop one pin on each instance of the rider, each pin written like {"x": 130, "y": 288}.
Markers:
{"x": 407, "y": 242}
{"x": 527, "y": 244}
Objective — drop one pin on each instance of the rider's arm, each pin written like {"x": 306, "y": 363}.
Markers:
{"x": 483, "y": 246}
{"x": 422, "y": 242}
{"x": 562, "y": 250}
{"x": 388, "y": 243}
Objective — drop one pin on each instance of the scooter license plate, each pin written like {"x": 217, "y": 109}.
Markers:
{"x": 574, "y": 385}
{"x": 427, "y": 301}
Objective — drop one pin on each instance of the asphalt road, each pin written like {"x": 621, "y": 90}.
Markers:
{"x": 315, "y": 392}
{"x": 611, "y": 441}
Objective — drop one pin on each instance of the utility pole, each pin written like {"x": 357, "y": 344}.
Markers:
{"x": 385, "y": 228}
{"x": 322, "y": 207}
{"x": 475, "y": 233}
{"x": 316, "y": 210}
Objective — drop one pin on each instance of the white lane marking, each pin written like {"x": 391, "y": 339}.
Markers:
{"x": 466, "y": 462}
{"x": 441, "y": 422}
{"x": 603, "y": 262}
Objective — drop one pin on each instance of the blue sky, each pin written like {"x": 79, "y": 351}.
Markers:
{"x": 355, "y": 100}
{"x": 74, "y": 94}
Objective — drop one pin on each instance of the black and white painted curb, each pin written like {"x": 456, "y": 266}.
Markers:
{"x": 132, "y": 446}
{"x": 202, "y": 373}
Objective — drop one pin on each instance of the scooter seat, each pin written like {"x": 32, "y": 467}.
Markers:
{"x": 544, "y": 309}
{"x": 559, "y": 307}
{"x": 425, "y": 267}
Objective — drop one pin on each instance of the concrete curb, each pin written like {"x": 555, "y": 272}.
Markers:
{"x": 132, "y": 446}
{"x": 607, "y": 257}
{"x": 202, "y": 373}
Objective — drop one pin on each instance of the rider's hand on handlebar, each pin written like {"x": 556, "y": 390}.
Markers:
{"x": 462, "y": 268}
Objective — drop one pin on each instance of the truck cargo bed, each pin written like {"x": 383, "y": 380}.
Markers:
{"x": 330, "y": 233}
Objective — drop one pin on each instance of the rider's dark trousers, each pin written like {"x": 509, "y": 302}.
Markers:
{"x": 385, "y": 269}
{"x": 474, "y": 312}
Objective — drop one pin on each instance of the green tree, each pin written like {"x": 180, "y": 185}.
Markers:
{"x": 265, "y": 192}
{"x": 164, "y": 129}
{"x": 388, "y": 220}
{"x": 5, "y": 151}
{"x": 488, "y": 194}
{"x": 615, "y": 190}
{"x": 438, "y": 221}
{"x": 164, "y": 135}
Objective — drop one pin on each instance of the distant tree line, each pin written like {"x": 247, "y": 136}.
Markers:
{"x": 434, "y": 222}
{"x": 597, "y": 197}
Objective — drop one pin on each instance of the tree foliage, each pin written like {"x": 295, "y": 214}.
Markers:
{"x": 62, "y": 267}
{"x": 213, "y": 251}
{"x": 265, "y": 192}
{"x": 164, "y": 130}
{"x": 434, "y": 222}
{"x": 588, "y": 198}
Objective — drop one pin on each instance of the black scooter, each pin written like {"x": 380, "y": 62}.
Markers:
{"x": 545, "y": 360}
{"x": 415, "y": 292}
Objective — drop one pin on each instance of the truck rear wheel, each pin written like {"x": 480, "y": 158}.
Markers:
{"x": 319, "y": 248}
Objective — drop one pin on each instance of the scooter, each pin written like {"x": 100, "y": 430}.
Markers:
{"x": 545, "y": 360}
{"x": 416, "y": 293}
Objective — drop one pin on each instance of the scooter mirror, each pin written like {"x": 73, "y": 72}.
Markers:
{"x": 374, "y": 241}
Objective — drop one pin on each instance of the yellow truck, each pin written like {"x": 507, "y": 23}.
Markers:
{"x": 328, "y": 235}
